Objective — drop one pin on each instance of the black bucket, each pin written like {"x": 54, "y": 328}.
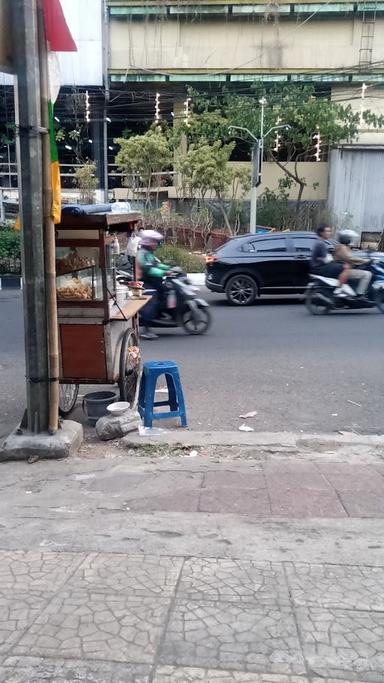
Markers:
{"x": 95, "y": 404}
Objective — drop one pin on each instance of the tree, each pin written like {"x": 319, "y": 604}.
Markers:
{"x": 205, "y": 171}
{"x": 86, "y": 181}
{"x": 294, "y": 105}
{"x": 143, "y": 156}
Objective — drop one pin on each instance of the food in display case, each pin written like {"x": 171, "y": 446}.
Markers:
{"x": 73, "y": 261}
{"x": 75, "y": 288}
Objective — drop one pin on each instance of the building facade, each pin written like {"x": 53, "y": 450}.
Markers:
{"x": 166, "y": 46}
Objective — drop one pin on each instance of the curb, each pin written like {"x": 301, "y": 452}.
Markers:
{"x": 197, "y": 279}
{"x": 255, "y": 439}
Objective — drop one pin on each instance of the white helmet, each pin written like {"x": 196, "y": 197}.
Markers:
{"x": 148, "y": 237}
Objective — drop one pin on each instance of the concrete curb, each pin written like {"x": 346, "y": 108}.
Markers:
{"x": 197, "y": 279}
{"x": 255, "y": 439}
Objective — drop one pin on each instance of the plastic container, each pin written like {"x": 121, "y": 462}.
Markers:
{"x": 96, "y": 403}
{"x": 118, "y": 408}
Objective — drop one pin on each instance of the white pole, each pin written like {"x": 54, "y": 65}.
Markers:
{"x": 254, "y": 181}
{"x": 2, "y": 212}
{"x": 262, "y": 119}
{"x": 253, "y": 216}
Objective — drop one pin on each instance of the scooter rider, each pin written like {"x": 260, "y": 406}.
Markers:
{"x": 322, "y": 262}
{"x": 344, "y": 255}
{"x": 152, "y": 273}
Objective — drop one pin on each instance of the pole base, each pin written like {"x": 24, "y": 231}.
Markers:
{"x": 26, "y": 445}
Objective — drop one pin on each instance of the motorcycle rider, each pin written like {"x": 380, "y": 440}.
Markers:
{"x": 344, "y": 255}
{"x": 322, "y": 262}
{"x": 152, "y": 273}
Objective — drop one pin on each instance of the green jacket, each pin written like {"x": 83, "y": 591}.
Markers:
{"x": 151, "y": 267}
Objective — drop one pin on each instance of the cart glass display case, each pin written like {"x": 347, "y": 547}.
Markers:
{"x": 98, "y": 325}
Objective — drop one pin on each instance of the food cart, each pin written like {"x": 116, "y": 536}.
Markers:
{"x": 98, "y": 318}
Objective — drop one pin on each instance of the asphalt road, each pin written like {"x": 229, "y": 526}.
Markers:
{"x": 299, "y": 372}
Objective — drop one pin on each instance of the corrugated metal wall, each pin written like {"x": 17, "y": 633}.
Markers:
{"x": 84, "y": 67}
{"x": 356, "y": 184}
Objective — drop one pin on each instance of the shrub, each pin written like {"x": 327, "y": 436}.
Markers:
{"x": 190, "y": 263}
{"x": 10, "y": 256}
{"x": 86, "y": 181}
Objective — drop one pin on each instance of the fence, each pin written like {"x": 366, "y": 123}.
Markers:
{"x": 10, "y": 266}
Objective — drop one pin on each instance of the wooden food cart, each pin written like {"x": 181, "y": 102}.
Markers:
{"x": 98, "y": 319}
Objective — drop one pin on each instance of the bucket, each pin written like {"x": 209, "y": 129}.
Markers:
{"x": 95, "y": 404}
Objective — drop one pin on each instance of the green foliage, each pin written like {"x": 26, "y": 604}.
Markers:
{"x": 86, "y": 181}
{"x": 210, "y": 125}
{"x": 10, "y": 254}
{"x": 272, "y": 208}
{"x": 294, "y": 105}
{"x": 144, "y": 155}
{"x": 190, "y": 263}
{"x": 60, "y": 134}
{"x": 204, "y": 168}
{"x": 205, "y": 172}
{"x": 8, "y": 138}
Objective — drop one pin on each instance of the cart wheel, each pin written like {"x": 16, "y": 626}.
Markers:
{"x": 130, "y": 368}
{"x": 67, "y": 399}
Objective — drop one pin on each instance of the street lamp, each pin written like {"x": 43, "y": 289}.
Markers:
{"x": 257, "y": 160}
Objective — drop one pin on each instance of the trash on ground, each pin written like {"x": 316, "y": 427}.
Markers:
{"x": 252, "y": 413}
{"x": 245, "y": 428}
{"x": 334, "y": 414}
{"x": 162, "y": 390}
{"x": 151, "y": 431}
{"x": 353, "y": 403}
{"x": 192, "y": 454}
{"x": 115, "y": 426}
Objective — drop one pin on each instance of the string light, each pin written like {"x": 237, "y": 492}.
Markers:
{"x": 317, "y": 137}
{"x": 278, "y": 136}
{"x": 187, "y": 111}
{"x": 157, "y": 108}
{"x": 87, "y": 107}
{"x": 363, "y": 90}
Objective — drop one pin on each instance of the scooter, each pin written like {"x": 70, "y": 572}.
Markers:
{"x": 180, "y": 307}
{"x": 320, "y": 297}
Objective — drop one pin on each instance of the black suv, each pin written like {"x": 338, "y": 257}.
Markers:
{"x": 251, "y": 265}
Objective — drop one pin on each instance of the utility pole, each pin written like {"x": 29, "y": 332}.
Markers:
{"x": 106, "y": 95}
{"x": 29, "y": 151}
{"x": 257, "y": 161}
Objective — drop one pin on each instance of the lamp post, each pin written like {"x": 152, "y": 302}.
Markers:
{"x": 257, "y": 161}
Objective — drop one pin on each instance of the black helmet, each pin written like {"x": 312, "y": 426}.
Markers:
{"x": 346, "y": 236}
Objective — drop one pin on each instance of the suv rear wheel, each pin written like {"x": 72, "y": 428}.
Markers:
{"x": 241, "y": 290}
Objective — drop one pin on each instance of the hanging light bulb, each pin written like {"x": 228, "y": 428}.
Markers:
{"x": 278, "y": 137}
{"x": 157, "y": 108}
{"x": 362, "y": 109}
{"x": 187, "y": 111}
{"x": 317, "y": 137}
{"x": 87, "y": 107}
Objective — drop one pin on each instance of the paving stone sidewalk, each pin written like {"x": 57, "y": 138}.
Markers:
{"x": 110, "y": 618}
{"x": 82, "y": 599}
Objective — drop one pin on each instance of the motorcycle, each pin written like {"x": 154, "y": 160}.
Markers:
{"x": 320, "y": 296}
{"x": 179, "y": 306}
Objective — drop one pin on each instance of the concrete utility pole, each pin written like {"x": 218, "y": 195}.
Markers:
{"x": 29, "y": 150}
{"x": 107, "y": 94}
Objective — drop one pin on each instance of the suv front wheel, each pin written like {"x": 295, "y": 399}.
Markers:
{"x": 241, "y": 290}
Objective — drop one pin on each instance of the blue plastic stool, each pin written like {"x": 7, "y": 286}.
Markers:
{"x": 151, "y": 373}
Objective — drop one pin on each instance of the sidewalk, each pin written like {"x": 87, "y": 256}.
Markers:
{"x": 230, "y": 566}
